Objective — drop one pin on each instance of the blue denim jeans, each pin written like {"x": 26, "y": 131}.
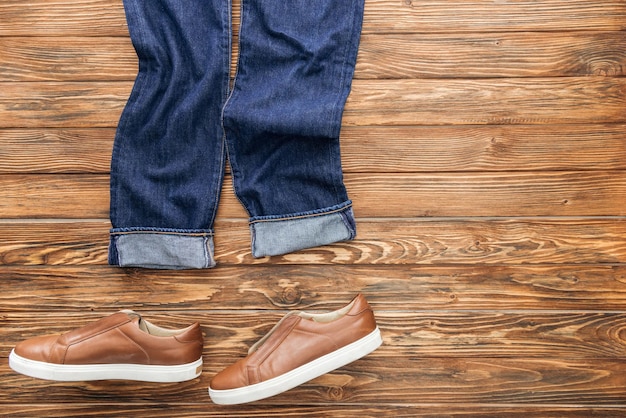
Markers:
{"x": 278, "y": 127}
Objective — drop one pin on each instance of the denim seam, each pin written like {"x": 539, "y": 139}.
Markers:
{"x": 346, "y": 58}
{"x": 223, "y": 151}
{"x": 114, "y": 254}
{"x": 349, "y": 223}
{"x": 337, "y": 104}
{"x": 189, "y": 234}
{"x": 336, "y": 113}
{"x": 137, "y": 91}
{"x": 334, "y": 209}
{"x": 230, "y": 99}
{"x": 207, "y": 253}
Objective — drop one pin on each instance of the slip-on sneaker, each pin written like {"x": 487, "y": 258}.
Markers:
{"x": 301, "y": 347}
{"x": 120, "y": 346}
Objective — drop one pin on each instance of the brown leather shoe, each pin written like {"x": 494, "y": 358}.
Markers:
{"x": 120, "y": 346}
{"x": 299, "y": 348}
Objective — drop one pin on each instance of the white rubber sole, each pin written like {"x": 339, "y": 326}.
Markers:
{"x": 79, "y": 373}
{"x": 300, "y": 375}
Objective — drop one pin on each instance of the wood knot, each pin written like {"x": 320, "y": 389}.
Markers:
{"x": 291, "y": 296}
{"x": 335, "y": 393}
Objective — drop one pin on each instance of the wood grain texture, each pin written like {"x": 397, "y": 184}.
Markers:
{"x": 478, "y": 148}
{"x": 498, "y": 101}
{"x": 45, "y": 151}
{"x": 432, "y": 335}
{"x": 374, "y": 195}
{"x": 442, "y": 16}
{"x": 106, "y": 17}
{"x": 85, "y": 18}
{"x": 483, "y": 146}
{"x": 320, "y": 411}
{"x": 422, "y": 289}
{"x": 76, "y": 58}
{"x": 380, "y": 242}
{"x": 491, "y": 55}
{"x": 398, "y": 56}
{"x": 369, "y": 149}
{"x": 386, "y": 376}
{"x": 372, "y": 102}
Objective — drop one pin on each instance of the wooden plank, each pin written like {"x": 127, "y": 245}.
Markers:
{"x": 380, "y": 56}
{"x": 44, "y": 196}
{"x": 371, "y": 149}
{"x": 443, "y": 16}
{"x": 65, "y": 105}
{"x": 319, "y": 410}
{"x": 86, "y": 18}
{"x": 436, "y": 335}
{"x": 386, "y": 376}
{"x": 379, "y": 242}
{"x": 446, "y": 335}
{"x": 489, "y": 194}
{"x": 498, "y": 101}
{"x": 482, "y": 148}
{"x": 44, "y": 58}
{"x": 106, "y": 17}
{"x": 67, "y": 151}
{"x": 422, "y": 289}
{"x": 372, "y": 102}
{"x": 472, "y": 55}
{"x": 374, "y": 195}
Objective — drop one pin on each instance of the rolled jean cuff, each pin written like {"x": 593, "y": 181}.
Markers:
{"x": 277, "y": 235}
{"x": 161, "y": 248}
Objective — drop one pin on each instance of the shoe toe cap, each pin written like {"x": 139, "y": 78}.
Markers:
{"x": 38, "y": 348}
{"x": 232, "y": 377}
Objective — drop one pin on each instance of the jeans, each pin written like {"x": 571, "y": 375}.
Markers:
{"x": 277, "y": 126}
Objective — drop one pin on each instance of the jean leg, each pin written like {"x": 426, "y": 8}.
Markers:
{"x": 283, "y": 118}
{"x": 168, "y": 157}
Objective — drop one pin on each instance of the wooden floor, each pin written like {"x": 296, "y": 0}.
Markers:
{"x": 484, "y": 146}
